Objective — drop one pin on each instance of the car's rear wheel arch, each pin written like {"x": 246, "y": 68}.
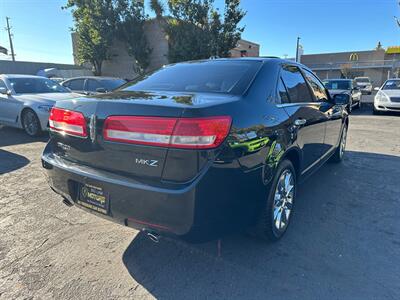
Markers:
{"x": 293, "y": 155}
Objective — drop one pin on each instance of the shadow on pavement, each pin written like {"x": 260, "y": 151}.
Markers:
{"x": 10, "y": 161}
{"x": 367, "y": 110}
{"x": 12, "y": 136}
{"x": 342, "y": 243}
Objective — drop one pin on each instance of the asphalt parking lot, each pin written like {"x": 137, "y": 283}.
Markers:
{"x": 344, "y": 242}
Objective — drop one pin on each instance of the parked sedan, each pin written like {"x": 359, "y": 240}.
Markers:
{"x": 26, "y": 101}
{"x": 159, "y": 154}
{"x": 388, "y": 97}
{"x": 91, "y": 85}
{"x": 345, "y": 86}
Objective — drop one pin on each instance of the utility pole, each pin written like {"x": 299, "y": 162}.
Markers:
{"x": 8, "y": 28}
{"x": 297, "y": 49}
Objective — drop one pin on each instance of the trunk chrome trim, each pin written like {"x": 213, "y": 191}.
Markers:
{"x": 92, "y": 128}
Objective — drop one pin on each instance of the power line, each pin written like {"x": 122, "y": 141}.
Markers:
{"x": 8, "y": 28}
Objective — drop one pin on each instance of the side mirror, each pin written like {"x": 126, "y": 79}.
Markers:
{"x": 356, "y": 88}
{"x": 376, "y": 88}
{"x": 4, "y": 91}
{"x": 101, "y": 90}
{"x": 341, "y": 99}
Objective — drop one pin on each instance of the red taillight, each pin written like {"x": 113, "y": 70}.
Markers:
{"x": 67, "y": 122}
{"x": 196, "y": 133}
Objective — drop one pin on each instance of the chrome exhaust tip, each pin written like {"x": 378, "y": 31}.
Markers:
{"x": 67, "y": 202}
{"x": 153, "y": 236}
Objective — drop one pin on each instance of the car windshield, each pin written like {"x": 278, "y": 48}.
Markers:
{"x": 392, "y": 85}
{"x": 31, "y": 85}
{"x": 112, "y": 84}
{"x": 231, "y": 77}
{"x": 363, "y": 80}
{"x": 338, "y": 84}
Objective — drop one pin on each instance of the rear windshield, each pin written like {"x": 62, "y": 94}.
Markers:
{"x": 338, "y": 84}
{"x": 230, "y": 77}
{"x": 35, "y": 86}
{"x": 365, "y": 80}
{"x": 392, "y": 85}
{"x": 112, "y": 84}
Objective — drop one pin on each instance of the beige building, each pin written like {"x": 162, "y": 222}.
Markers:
{"x": 378, "y": 64}
{"x": 246, "y": 49}
{"x": 122, "y": 65}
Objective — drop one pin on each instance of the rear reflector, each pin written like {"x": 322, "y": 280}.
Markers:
{"x": 67, "y": 122}
{"x": 196, "y": 133}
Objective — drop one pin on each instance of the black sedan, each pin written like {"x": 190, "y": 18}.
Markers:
{"x": 197, "y": 149}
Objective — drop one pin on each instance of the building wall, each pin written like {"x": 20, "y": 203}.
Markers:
{"x": 158, "y": 44}
{"x": 373, "y": 64}
{"x": 32, "y": 68}
{"x": 246, "y": 49}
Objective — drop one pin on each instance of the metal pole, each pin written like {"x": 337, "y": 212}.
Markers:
{"x": 297, "y": 49}
{"x": 10, "y": 39}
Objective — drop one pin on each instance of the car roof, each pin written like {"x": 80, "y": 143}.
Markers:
{"x": 94, "y": 77}
{"x": 338, "y": 79}
{"x": 8, "y": 76}
{"x": 270, "y": 60}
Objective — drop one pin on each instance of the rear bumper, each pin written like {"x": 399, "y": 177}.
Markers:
{"x": 132, "y": 203}
{"x": 213, "y": 204}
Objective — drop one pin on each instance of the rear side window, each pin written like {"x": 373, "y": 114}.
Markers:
{"x": 296, "y": 85}
{"x": 213, "y": 76}
{"x": 93, "y": 85}
{"x": 76, "y": 85}
{"x": 316, "y": 86}
{"x": 2, "y": 84}
{"x": 283, "y": 94}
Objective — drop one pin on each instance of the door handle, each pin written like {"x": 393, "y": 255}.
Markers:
{"x": 300, "y": 122}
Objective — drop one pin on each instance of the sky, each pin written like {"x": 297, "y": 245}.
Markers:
{"x": 41, "y": 28}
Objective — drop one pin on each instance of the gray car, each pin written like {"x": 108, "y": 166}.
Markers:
{"x": 26, "y": 101}
{"x": 344, "y": 86}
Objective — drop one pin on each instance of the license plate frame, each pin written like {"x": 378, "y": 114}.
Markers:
{"x": 94, "y": 198}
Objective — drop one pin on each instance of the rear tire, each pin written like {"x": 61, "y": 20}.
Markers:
{"x": 337, "y": 157}
{"x": 278, "y": 207}
{"x": 30, "y": 123}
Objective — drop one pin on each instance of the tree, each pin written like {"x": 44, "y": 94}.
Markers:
{"x": 196, "y": 30}
{"x": 95, "y": 28}
{"x": 98, "y": 23}
{"x": 130, "y": 30}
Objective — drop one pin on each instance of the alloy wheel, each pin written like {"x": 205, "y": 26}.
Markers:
{"x": 283, "y": 200}
{"x": 30, "y": 123}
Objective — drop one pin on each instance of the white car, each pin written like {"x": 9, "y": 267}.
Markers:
{"x": 26, "y": 101}
{"x": 388, "y": 97}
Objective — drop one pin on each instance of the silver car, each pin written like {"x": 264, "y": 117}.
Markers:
{"x": 365, "y": 84}
{"x": 344, "y": 86}
{"x": 388, "y": 97}
{"x": 26, "y": 101}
